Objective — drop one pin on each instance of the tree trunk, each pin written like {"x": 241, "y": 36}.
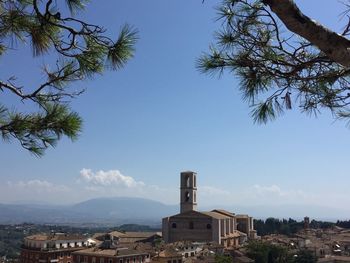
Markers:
{"x": 335, "y": 46}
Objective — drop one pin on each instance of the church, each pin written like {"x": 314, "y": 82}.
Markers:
{"x": 219, "y": 226}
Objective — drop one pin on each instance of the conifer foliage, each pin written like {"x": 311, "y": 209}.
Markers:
{"x": 282, "y": 58}
{"x": 82, "y": 50}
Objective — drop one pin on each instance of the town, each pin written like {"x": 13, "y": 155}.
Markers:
{"x": 174, "y": 131}
{"x": 190, "y": 236}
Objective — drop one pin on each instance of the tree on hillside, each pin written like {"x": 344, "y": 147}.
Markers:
{"x": 82, "y": 50}
{"x": 263, "y": 252}
{"x": 222, "y": 259}
{"x": 305, "y": 256}
{"x": 283, "y": 58}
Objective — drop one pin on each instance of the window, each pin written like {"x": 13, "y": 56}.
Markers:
{"x": 86, "y": 259}
{"x": 208, "y": 226}
{"x": 78, "y": 259}
{"x": 174, "y": 261}
{"x": 110, "y": 260}
{"x": 102, "y": 260}
{"x": 187, "y": 181}
{"x": 192, "y": 254}
{"x": 187, "y": 196}
{"x": 169, "y": 261}
{"x": 173, "y": 225}
{"x": 120, "y": 261}
{"x": 179, "y": 261}
{"x": 93, "y": 260}
{"x": 191, "y": 225}
{"x": 186, "y": 255}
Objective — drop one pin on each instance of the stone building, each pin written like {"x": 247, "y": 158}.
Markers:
{"x": 52, "y": 248}
{"x": 110, "y": 251}
{"x": 217, "y": 226}
{"x": 131, "y": 237}
{"x": 168, "y": 256}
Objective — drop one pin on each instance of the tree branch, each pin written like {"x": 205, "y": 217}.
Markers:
{"x": 335, "y": 46}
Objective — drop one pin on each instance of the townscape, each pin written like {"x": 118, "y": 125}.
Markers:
{"x": 106, "y": 106}
{"x": 190, "y": 236}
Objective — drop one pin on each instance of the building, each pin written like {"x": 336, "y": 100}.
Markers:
{"x": 217, "y": 226}
{"x": 52, "y": 248}
{"x": 132, "y": 237}
{"x": 168, "y": 256}
{"x": 109, "y": 251}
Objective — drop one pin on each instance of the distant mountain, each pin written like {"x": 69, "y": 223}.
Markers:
{"x": 127, "y": 210}
{"x": 117, "y": 210}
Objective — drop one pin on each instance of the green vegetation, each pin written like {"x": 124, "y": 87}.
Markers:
{"x": 305, "y": 256}
{"x": 271, "y": 47}
{"x": 81, "y": 49}
{"x": 222, "y": 259}
{"x": 288, "y": 227}
{"x": 344, "y": 224}
{"x": 263, "y": 252}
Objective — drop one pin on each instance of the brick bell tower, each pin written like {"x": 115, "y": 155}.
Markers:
{"x": 188, "y": 191}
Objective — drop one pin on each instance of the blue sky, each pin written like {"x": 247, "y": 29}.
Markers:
{"x": 158, "y": 116}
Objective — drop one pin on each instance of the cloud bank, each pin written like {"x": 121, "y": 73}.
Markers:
{"x": 109, "y": 183}
{"x": 109, "y": 178}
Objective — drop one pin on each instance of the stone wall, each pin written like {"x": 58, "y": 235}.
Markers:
{"x": 195, "y": 229}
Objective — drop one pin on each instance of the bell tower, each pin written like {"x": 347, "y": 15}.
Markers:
{"x": 188, "y": 191}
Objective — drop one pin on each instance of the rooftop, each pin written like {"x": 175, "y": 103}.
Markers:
{"x": 118, "y": 252}
{"x": 56, "y": 236}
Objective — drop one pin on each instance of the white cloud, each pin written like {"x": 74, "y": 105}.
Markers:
{"x": 114, "y": 183}
{"x": 38, "y": 186}
{"x": 109, "y": 178}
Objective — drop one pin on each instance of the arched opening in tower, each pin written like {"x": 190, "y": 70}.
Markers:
{"x": 187, "y": 196}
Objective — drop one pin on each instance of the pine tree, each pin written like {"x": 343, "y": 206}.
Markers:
{"x": 82, "y": 49}
{"x": 283, "y": 58}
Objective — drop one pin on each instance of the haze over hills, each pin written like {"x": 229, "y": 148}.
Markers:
{"x": 117, "y": 210}
{"x": 121, "y": 210}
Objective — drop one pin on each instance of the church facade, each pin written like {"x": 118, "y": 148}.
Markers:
{"x": 219, "y": 226}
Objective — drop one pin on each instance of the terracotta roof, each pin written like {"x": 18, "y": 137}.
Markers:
{"x": 142, "y": 234}
{"x": 216, "y": 215}
{"x": 122, "y": 251}
{"x": 224, "y": 212}
{"x": 134, "y": 234}
{"x": 242, "y": 216}
{"x": 59, "y": 236}
{"x": 235, "y": 233}
{"x": 335, "y": 259}
{"x": 169, "y": 253}
{"x": 243, "y": 259}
